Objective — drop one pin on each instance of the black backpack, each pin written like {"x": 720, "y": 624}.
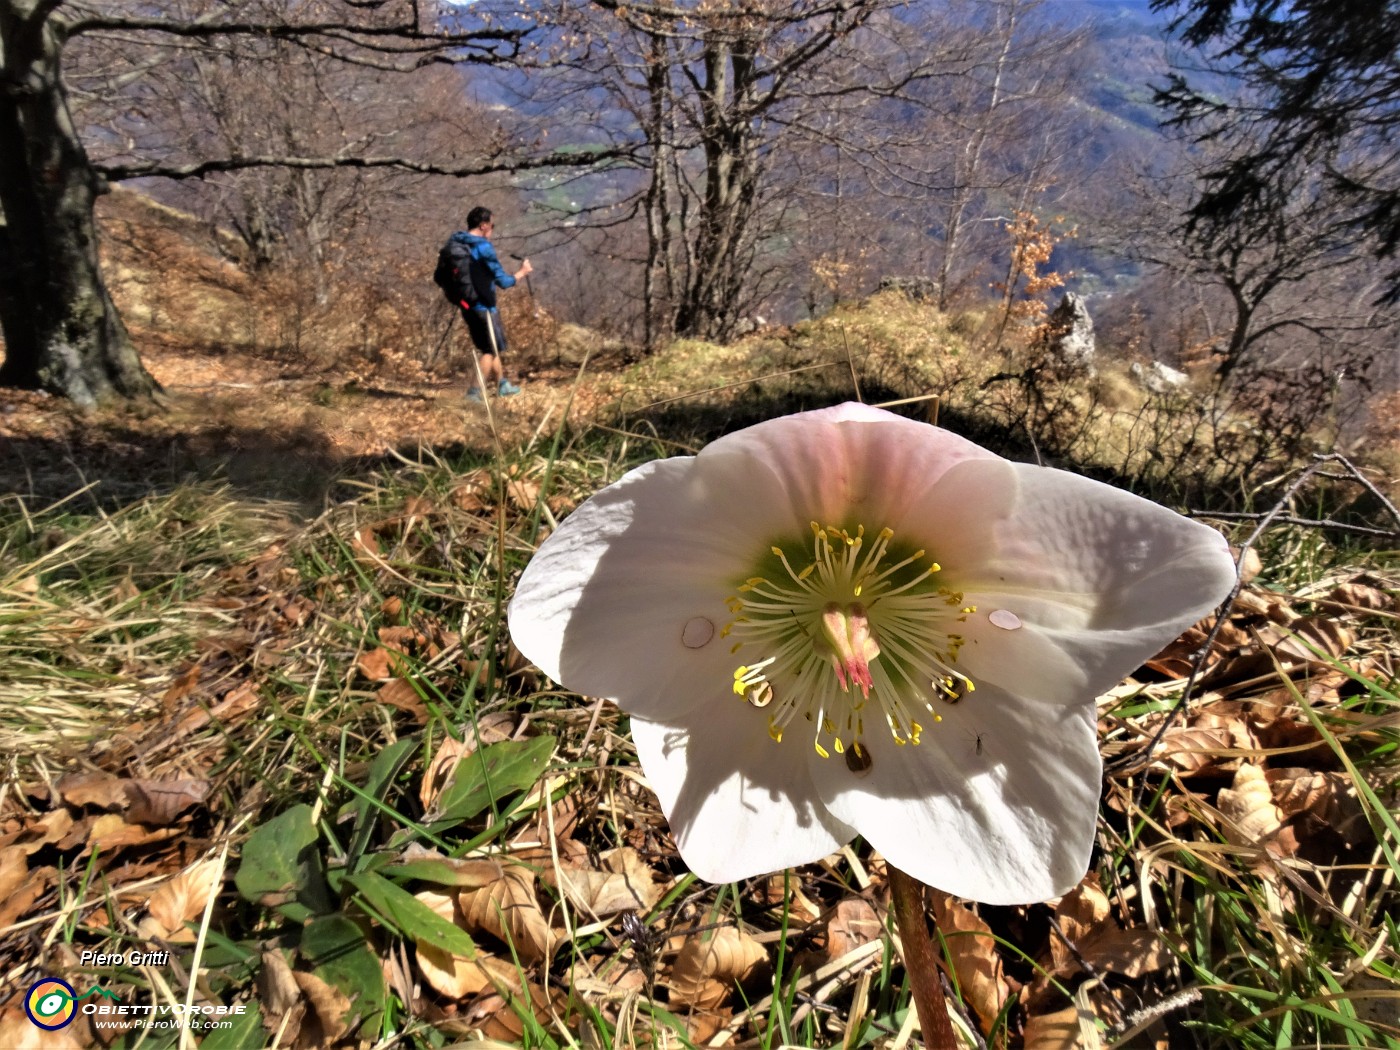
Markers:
{"x": 453, "y": 272}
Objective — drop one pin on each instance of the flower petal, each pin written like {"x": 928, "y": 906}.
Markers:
{"x": 842, "y": 466}
{"x": 739, "y": 804}
{"x": 1097, "y": 581}
{"x": 997, "y": 803}
{"x": 626, "y": 598}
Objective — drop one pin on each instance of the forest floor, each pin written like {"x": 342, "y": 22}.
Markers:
{"x": 272, "y": 429}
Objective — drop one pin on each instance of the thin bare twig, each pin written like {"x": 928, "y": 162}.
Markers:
{"x": 1313, "y": 523}
{"x": 1140, "y": 760}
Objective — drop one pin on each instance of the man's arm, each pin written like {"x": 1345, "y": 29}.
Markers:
{"x": 486, "y": 255}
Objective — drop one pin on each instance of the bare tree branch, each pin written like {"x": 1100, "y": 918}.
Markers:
{"x": 195, "y": 170}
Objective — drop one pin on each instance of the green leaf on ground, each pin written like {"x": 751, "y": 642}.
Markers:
{"x": 489, "y": 775}
{"x": 386, "y": 766}
{"x": 335, "y": 948}
{"x": 446, "y": 871}
{"x": 281, "y": 866}
{"x": 410, "y": 916}
{"x": 246, "y": 1030}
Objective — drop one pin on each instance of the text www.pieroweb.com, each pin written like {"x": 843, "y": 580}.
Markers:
{"x": 202, "y": 1018}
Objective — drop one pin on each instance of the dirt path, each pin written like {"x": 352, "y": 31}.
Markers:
{"x": 267, "y": 427}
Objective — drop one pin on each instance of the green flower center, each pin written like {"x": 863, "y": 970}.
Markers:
{"x": 860, "y": 629}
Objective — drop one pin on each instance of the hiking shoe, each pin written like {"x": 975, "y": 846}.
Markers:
{"x": 507, "y": 388}
{"x": 474, "y": 394}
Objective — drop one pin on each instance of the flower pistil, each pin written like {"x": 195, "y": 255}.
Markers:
{"x": 856, "y": 623}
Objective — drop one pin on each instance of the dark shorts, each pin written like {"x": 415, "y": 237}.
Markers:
{"x": 479, "y": 324}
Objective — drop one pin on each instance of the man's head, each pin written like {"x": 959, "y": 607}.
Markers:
{"x": 478, "y": 217}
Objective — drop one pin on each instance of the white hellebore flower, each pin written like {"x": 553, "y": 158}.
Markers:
{"x": 846, "y": 622}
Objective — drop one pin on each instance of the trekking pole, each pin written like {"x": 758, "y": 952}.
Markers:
{"x": 432, "y": 358}
{"x": 528, "y": 286}
{"x": 559, "y": 353}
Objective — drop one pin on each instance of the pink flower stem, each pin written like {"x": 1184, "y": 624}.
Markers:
{"x": 921, "y": 961}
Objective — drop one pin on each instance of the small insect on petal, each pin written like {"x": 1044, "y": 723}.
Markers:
{"x": 697, "y": 632}
{"x": 1005, "y": 619}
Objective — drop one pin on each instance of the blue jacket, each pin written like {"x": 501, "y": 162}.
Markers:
{"x": 487, "y": 273}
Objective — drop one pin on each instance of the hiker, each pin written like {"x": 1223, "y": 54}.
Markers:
{"x": 482, "y": 317}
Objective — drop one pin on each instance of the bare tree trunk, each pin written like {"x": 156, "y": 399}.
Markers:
{"x": 731, "y": 184}
{"x": 966, "y": 181}
{"x": 66, "y": 335}
{"x": 658, "y": 194}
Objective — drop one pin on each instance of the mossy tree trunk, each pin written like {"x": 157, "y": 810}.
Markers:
{"x": 62, "y": 331}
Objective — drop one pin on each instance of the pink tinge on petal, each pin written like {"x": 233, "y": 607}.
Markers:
{"x": 847, "y": 465}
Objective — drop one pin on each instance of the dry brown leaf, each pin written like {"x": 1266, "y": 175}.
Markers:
{"x": 14, "y": 869}
{"x": 418, "y": 507}
{"x": 437, "y": 774}
{"x": 626, "y": 885}
{"x": 365, "y": 545}
{"x": 975, "y": 959}
{"x": 110, "y": 832}
{"x": 17, "y": 904}
{"x": 278, "y": 991}
{"x": 524, "y": 493}
{"x": 1361, "y": 595}
{"x": 450, "y": 975}
{"x": 93, "y": 789}
{"x": 236, "y": 703}
{"x": 474, "y": 491}
{"x": 1080, "y": 913}
{"x": 162, "y": 801}
{"x": 181, "y": 900}
{"x": 52, "y": 827}
{"x": 854, "y": 922}
{"x": 701, "y": 1026}
{"x": 1057, "y": 1031}
{"x": 500, "y": 1019}
{"x": 1323, "y": 633}
{"x": 296, "y": 609}
{"x": 1250, "y": 564}
{"x": 1178, "y": 658}
{"x": 18, "y": 1032}
{"x": 800, "y": 909}
{"x": 1193, "y": 749}
{"x": 181, "y": 687}
{"x": 1253, "y": 602}
{"x": 1248, "y": 807}
{"x": 332, "y": 1006}
{"x": 1131, "y": 953}
{"x": 710, "y": 964}
{"x": 402, "y": 639}
{"x": 401, "y": 694}
{"x": 454, "y": 975}
{"x": 1329, "y": 797}
{"x": 380, "y": 665}
{"x": 492, "y": 728}
{"x": 458, "y": 978}
{"x": 509, "y": 910}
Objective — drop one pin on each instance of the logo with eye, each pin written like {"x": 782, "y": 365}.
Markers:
{"x": 49, "y": 1003}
